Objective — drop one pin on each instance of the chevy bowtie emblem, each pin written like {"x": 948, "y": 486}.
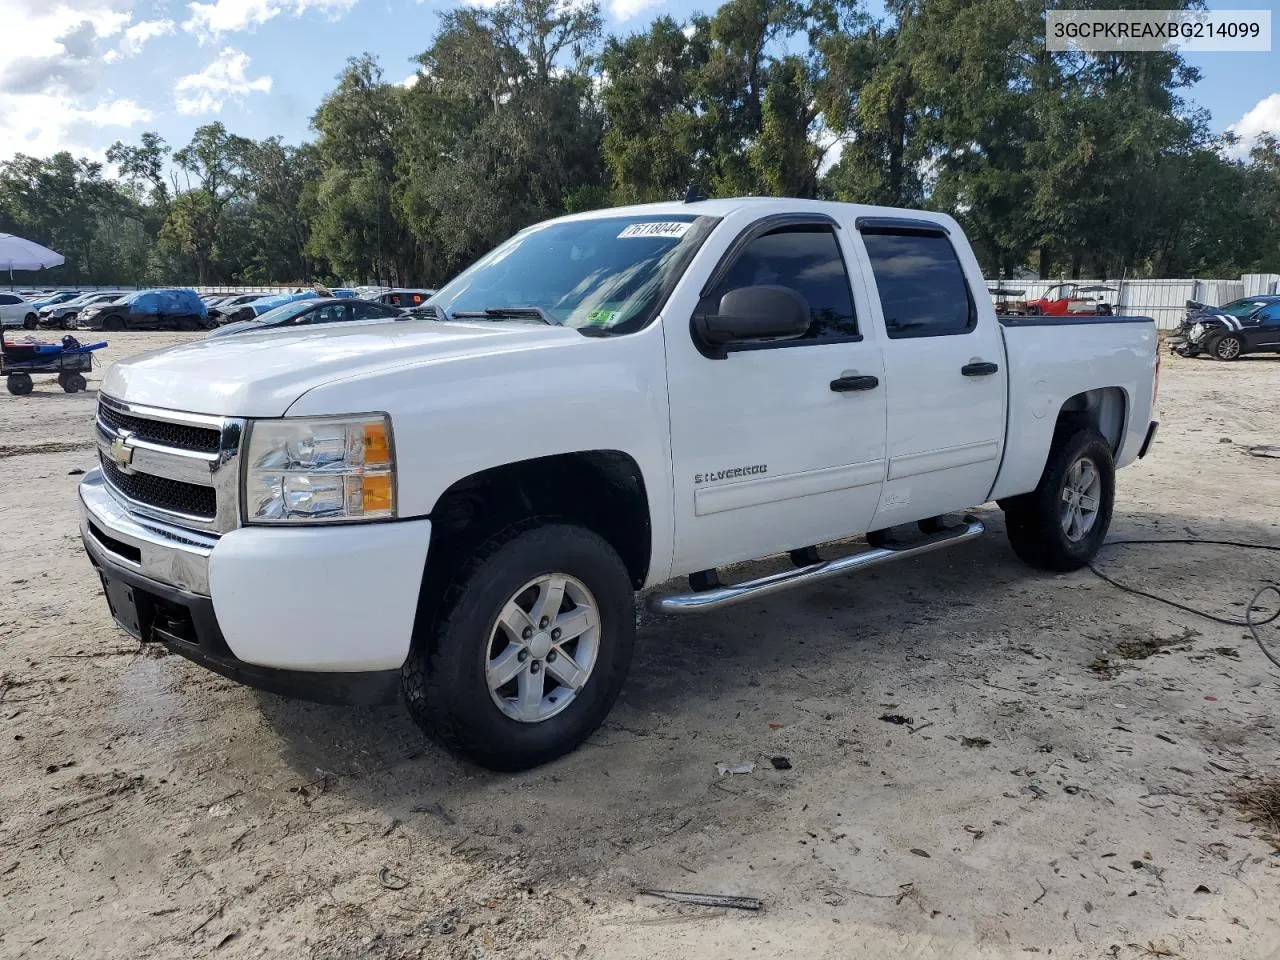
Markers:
{"x": 121, "y": 452}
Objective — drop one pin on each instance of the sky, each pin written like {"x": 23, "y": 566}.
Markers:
{"x": 81, "y": 74}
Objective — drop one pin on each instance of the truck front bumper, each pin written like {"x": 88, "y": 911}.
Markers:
{"x": 323, "y": 613}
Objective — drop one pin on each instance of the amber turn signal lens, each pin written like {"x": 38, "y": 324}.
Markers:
{"x": 377, "y": 493}
{"x": 377, "y": 450}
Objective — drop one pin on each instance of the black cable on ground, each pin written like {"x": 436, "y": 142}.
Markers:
{"x": 1248, "y": 620}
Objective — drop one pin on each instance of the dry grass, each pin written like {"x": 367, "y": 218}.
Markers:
{"x": 1261, "y": 805}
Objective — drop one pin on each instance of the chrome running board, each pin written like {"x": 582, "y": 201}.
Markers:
{"x": 719, "y": 597}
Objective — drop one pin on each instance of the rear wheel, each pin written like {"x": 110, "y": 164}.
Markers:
{"x": 1062, "y": 523}
{"x": 1228, "y": 348}
{"x": 19, "y": 384}
{"x": 528, "y": 648}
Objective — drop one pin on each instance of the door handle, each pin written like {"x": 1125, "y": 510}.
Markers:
{"x": 980, "y": 369}
{"x": 849, "y": 384}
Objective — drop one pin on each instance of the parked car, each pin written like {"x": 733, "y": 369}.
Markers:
{"x": 460, "y": 513}
{"x": 405, "y": 298}
{"x": 148, "y": 310}
{"x": 1247, "y": 325}
{"x": 17, "y": 311}
{"x": 53, "y": 299}
{"x": 1073, "y": 299}
{"x": 304, "y": 313}
{"x": 263, "y": 304}
{"x": 62, "y": 316}
{"x": 227, "y": 309}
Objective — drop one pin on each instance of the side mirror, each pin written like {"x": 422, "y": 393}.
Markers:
{"x": 763, "y": 312}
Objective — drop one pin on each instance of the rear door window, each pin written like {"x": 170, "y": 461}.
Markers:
{"x": 922, "y": 288}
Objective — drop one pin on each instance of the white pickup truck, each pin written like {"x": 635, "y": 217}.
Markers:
{"x": 459, "y": 511}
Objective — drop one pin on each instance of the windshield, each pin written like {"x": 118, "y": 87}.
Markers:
{"x": 606, "y": 274}
{"x": 285, "y": 313}
{"x": 1241, "y": 308}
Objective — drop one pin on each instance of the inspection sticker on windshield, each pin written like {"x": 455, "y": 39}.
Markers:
{"x": 673, "y": 229}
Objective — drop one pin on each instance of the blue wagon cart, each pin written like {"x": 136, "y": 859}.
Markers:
{"x": 70, "y": 360}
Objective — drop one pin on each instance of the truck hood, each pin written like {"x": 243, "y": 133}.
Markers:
{"x": 262, "y": 374}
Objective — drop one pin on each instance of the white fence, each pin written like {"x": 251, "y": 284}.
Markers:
{"x": 1163, "y": 300}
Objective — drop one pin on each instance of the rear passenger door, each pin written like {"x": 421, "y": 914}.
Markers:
{"x": 944, "y": 370}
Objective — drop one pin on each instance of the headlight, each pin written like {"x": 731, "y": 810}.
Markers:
{"x": 1196, "y": 330}
{"x": 330, "y": 469}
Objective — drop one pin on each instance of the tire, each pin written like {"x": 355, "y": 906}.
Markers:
{"x": 1039, "y": 524}
{"x": 113, "y": 324}
{"x": 73, "y": 382}
{"x": 19, "y": 384}
{"x": 29, "y": 321}
{"x": 446, "y": 677}
{"x": 1228, "y": 348}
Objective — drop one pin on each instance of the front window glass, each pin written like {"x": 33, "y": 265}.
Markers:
{"x": 1241, "y": 308}
{"x": 608, "y": 274}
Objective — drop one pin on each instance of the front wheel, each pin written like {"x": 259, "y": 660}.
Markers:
{"x": 1062, "y": 523}
{"x": 72, "y": 382}
{"x": 529, "y": 648}
{"x": 1228, "y": 348}
{"x": 29, "y": 321}
{"x": 113, "y": 324}
{"x": 19, "y": 384}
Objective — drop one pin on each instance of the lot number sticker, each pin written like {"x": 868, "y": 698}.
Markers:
{"x": 673, "y": 230}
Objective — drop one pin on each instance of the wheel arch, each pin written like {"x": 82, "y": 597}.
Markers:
{"x": 1106, "y": 409}
{"x": 602, "y": 490}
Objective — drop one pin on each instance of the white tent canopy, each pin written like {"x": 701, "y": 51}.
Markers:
{"x": 19, "y": 254}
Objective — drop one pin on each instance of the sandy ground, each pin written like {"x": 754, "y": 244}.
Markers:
{"x": 1050, "y": 795}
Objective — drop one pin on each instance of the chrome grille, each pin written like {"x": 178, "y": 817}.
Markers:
{"x": 176, "y": 435}
{"x": 172, "y": 496}
{"x": 177, "y": 467}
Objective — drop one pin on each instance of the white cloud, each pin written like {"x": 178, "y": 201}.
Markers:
{"x": 1264, "y": 117}
{"x": 52, "y": 77}
{"x": 225, "y": 78}
{"x": 209, "y": 20}
{"x": 136, "y": 36}
{"x": 42, "y": 124}
{"x": 411, "y": 81}
{"x": 626, "y": 9}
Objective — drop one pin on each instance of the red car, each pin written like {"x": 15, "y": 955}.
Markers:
{"x": 1071, "y": 299}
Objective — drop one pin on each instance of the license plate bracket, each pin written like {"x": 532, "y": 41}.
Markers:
{"x": 124, "y": 606}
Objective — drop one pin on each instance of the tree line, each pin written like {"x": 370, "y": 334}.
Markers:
{"x": 1069, "y": 164}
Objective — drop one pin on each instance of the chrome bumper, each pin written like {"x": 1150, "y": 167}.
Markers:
{"x": 171, "y": 555}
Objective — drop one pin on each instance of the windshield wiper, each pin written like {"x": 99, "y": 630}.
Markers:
{"x": 506, "y": 313}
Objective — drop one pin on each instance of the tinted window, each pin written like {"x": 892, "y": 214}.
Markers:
{"x": 329, "y": 313}
{"x": 372, "y": 311}
{"x": 1270, "y": 314}
{"x": 806, "y": 259}
{"x": 922, "y": 288}
{"x": 7, "y": 300}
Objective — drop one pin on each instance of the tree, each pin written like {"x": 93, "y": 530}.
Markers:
{"x": 216, "y": 159}
{"x": 502, "y": 128}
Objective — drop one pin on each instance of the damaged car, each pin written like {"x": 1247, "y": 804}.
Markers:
{"x": 1247, "y": 325}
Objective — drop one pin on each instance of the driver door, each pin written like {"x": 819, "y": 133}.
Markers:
{"x": 771, "y": 449}
{"x": 1263, "y": 332}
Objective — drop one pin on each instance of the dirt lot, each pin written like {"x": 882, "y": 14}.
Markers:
{"x": 1056, "y": 791}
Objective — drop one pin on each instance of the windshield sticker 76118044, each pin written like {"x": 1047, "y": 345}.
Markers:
{"x": 731, "y": 474}
{"x": 672, "y": 229}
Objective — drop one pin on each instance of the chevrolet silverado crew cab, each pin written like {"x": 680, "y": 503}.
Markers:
{"x": 459, "y": 511}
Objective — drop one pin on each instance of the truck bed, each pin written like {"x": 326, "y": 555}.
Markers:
{"x": 1050, "y": 360}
